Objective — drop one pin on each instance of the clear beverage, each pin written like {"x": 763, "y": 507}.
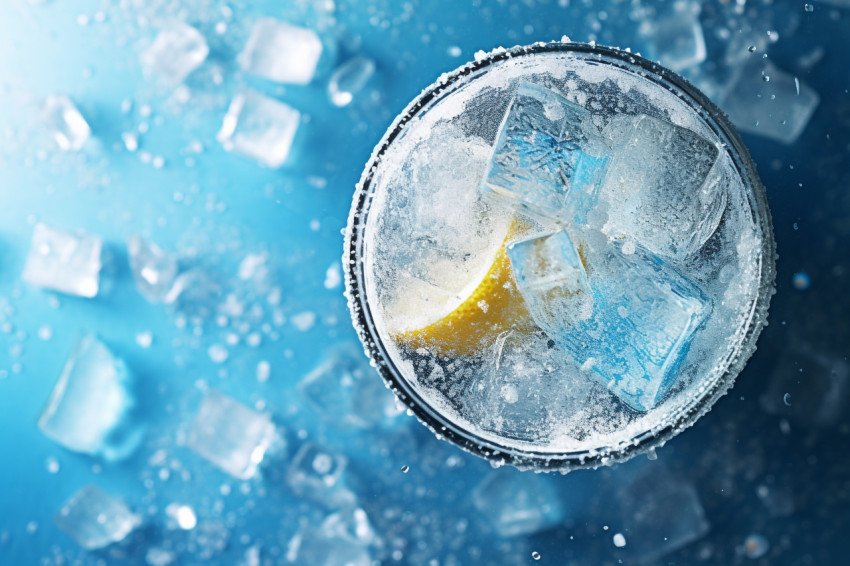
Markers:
{"x": 560, "y": 256}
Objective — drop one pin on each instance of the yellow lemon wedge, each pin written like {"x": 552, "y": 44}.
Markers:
{"x": 494, "y": 306}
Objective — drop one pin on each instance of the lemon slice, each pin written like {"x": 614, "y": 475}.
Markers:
{"x": 492, "y": 306}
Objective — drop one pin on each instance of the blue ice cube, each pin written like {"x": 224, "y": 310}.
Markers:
{"x": 551, "y": 278}
{"x": 517, "y": 503}
{"x": 346, "y": 391}
{"x": 664, "y": 188}
{"x": 645, "y": 315}
{"x": 629, "y": 323}
{"x": 548, "y": 158}
{"x": 94, "y": 519}
{"x": 317, "y": 473}
{"x": 231, "y": 436}
{"x": 91, "y": 409}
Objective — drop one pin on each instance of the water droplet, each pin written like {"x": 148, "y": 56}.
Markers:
{"x": 787, "y": 399}
{"x": 405, "y": 469}
{"x": 809, "y": 7}
{"x": 619, "y": 540}
{"x": 535, "y": 555}
{"x": 751, "y": 48}
{"x": 766, "y": 78}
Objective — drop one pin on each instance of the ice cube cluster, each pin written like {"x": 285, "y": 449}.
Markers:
{"x": 628, "y": 232}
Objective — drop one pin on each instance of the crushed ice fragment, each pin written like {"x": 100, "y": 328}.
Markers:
{"x": 260, "y": 128}
{"x": 774, "y": 109}
{"x": 64, "y": 261}
{"x": 68, "y": 127}
{"x": 659, "y": 514}
{"x": 92, "y": 407}
{"x": 178, "y": 50}
{"x": 317, "y": 473}
{"x": 182, "y": 516}
{"x": 154, "y": 270}
{"x": 281, "y": 52}
{"x": 346, "y": 391}
{"x": 675, "y": 36}
{"x": 516, "y": 503}
{"x": 349, "y": 79}
{"x": 351, "y": 524}
{"x": 552, "y": 280}
{"x": 94, "y": 519}
{"x": 548, "y": 158}
{"x": 231, "y": 436}
{"x": 636, "y": 356}
{"x": 313, "y": 546}
{"x": 663, "y": 185}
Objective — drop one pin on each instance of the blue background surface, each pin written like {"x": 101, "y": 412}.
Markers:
{"x": 221, "y": 207}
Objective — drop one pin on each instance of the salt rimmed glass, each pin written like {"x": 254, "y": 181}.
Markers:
{"x": 717, "y": 380}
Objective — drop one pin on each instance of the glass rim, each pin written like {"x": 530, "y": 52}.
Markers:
{"x": 647, "y": 440}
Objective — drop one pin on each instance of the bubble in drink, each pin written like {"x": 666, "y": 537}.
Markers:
{"x": 560, "y": 256}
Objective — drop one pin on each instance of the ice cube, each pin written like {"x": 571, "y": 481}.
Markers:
{"x": 664, "y": 186}
{"x": 675, "y": 36}
{"x": 346, "y": 391}
{"x": 317, "y": 473}
{"x": 178, "y": 50}
{"x": 551, "y": 278}
{"x": 350, "y": 524}
{"x": 645, "y": 315}
{"x": 260, "y": 128}
{"x": 548, "y": 158}
{"x": 349, "y": 79}
{"x": 231, "y": 436}
{"x": 64, "y": 261}
{"x": 767, "y": 101}
{"x": 808, "y": 385}
{"x": 68, "y": 127}
{"x": 154, "y": 271}
{"x": 281, "y": 52}
{"x": 91, "y": 408}
{"x": 516, "y": 503}
{"x": 659, "y": 514}
{"x": 94, "y": 519}
{"x": 318, "y": 548}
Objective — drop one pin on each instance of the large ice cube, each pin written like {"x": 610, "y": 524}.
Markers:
{"x": 67, "y": 126}
{"x": 551, "y": 278}
{"x": 548, "y": 158}
{"x": 95, "y": 519}
{"x": 675, "y": 35}
{"x": 664, "y": 186}
{"x": 154, "y": 271}
{"x": 317, "y": 473}
{"x": 767, "y": 101}
{"x": 91, "y": 408}
{"x": 260, "y": 128}
{"x": 644, "y": 317}
{"x": 318, "y": 548}
{"x": 64, "y": 261}
{"x": 517, "y": 503}
{"x": 178, "y": 50}
{"x": 281, "y": 52}
{"x": 809, "y": 385}
{"x": 659, "y": 514}
{"x": 346, "y": 391}
{"x": 231, "y": 436}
